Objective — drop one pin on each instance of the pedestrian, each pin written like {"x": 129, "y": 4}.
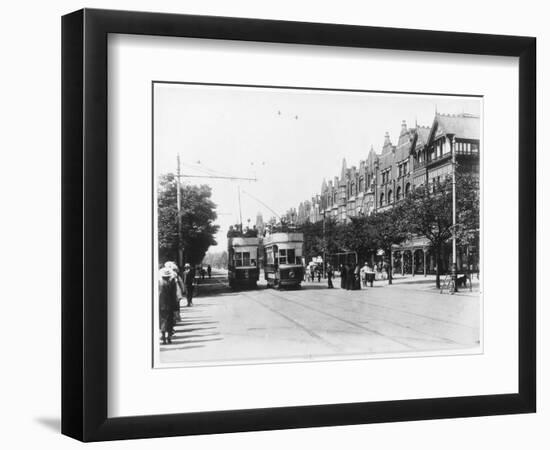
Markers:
{"x": 312, "y": 273}
{"x": 342, "y": 276}
{"x": 356, "y": 277}
{"x": 369, "y": 272}
{"x": 188, "y": 280}
{"x": 318, "y": 274}
{"x": 209, "y": 270}
{"x": 329, "y": 276}
{"x": 363, "y": 274}
{"x": 348, "y": 268}
{"x": 167, "y": 303}
{"x": 179, "y": 288}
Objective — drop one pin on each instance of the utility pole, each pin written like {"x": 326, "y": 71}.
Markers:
{"x": 324, "y": 248}
{"x": 179, "y": 176}
{"x": 178, "y": 197}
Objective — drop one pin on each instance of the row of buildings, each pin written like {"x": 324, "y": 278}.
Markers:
{"x": 421, "y": 157}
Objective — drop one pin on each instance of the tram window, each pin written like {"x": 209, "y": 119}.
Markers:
{"x": 282, "y": 256}
{"x": 291, "y": 256}
{"x": 253, "y": 262}
{"x": 238, "y": 259}
{"x": 246, "y": 258}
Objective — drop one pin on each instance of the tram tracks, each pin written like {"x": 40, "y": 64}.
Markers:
{"x": 433, "y": 337}
{"x": 343, "y": 320}
{"x": 408, "y": 327}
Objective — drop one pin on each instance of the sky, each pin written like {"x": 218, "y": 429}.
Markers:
{"x": 287, "y": 139}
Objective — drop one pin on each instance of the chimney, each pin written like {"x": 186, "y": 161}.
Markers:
{"x": 387, "y": 139}
{"x": 403, "y": 127}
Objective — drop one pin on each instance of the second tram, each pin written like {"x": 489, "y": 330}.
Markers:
{"x": 283, "y": 265}
{"x": 242, "y": 263}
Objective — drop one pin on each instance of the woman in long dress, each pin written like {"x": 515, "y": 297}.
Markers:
{"x": 168, "y": 299}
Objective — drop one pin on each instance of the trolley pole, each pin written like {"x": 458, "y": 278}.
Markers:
{"x": 240, "y": 211}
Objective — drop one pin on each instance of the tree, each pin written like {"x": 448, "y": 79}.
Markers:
{"x": 197, "y": 217}
{"x": 319, "y": 239}
{"x": 358, "y": 236}
{"x": 388, "y": 228}
{"x": 429, "y": 213}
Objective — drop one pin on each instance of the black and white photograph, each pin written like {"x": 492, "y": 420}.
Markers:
{"x": 300, "y": 224}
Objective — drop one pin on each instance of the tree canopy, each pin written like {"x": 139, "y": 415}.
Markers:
{"x": 425, "y": 212}
{"x": 197, "y": 220}
{"x": 429, "y": 213}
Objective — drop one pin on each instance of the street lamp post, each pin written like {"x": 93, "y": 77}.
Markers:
{"x": 453, "y": 165}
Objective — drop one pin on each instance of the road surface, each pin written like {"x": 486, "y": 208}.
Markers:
{"x": 226, "y": 326}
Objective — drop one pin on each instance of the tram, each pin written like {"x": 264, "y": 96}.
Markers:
{"x": 283, "y": 265}
{"x": 242, "y": 261}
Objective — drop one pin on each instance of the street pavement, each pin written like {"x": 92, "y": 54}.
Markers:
{"x": 226, "y": 326}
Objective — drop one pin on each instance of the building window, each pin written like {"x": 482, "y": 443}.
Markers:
{"x": 382, "y": 199}
{"x": 398, "y": 193}
{"x": 407, "y": 188}
{"x": 390, "y": 197}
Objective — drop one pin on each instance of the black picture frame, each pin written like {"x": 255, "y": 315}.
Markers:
{"x": 84, "y": 224}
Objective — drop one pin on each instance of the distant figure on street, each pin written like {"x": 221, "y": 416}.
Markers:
{"x": 188, "y": 280}
{"x": 318, "y": 275}
{"x": 356, "y": 277}
{"x": 363, "y": 272}
{"x": 329, "y": 276}
{"x": 349, "y": 276}
{"x": 167, "y": 303}
{"x": 369, "y": 274}
{"x": 342, "y": 276}
{"x": 209, "y": 270}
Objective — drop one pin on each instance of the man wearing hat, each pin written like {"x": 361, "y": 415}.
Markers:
{"x": 168, "y": 300}
{"x": 188, "y": 280}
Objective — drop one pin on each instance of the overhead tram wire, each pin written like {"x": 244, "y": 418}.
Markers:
{"x": 179, "y": 176}
{"x": 215, "y": 173}
{"x": 261, "y": 202}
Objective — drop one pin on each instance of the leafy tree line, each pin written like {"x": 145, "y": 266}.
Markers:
{"x": 197, "y": 220}
{"x": 426, "y": 212}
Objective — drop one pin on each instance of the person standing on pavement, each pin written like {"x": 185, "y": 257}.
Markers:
{"x": 356, "y": 277}
{"x": 329, "y": 276}
{"x": 364, "y": 270}
{"x": 343, "y": 274}
{"x": 168, "y": 300}
{"x": 209, "y": 270}
{"x": 188, "y": 284}
{"x": 179, "y": 288}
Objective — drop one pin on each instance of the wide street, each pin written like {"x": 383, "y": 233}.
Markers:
{"x": 314, "y": 321}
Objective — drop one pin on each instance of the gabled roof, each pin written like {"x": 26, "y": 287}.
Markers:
{"x": 462, "y": 126}
{"x": 422, "y": 135}
{"x": 344, "y": 170}
{"x": 406, "y": 138}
